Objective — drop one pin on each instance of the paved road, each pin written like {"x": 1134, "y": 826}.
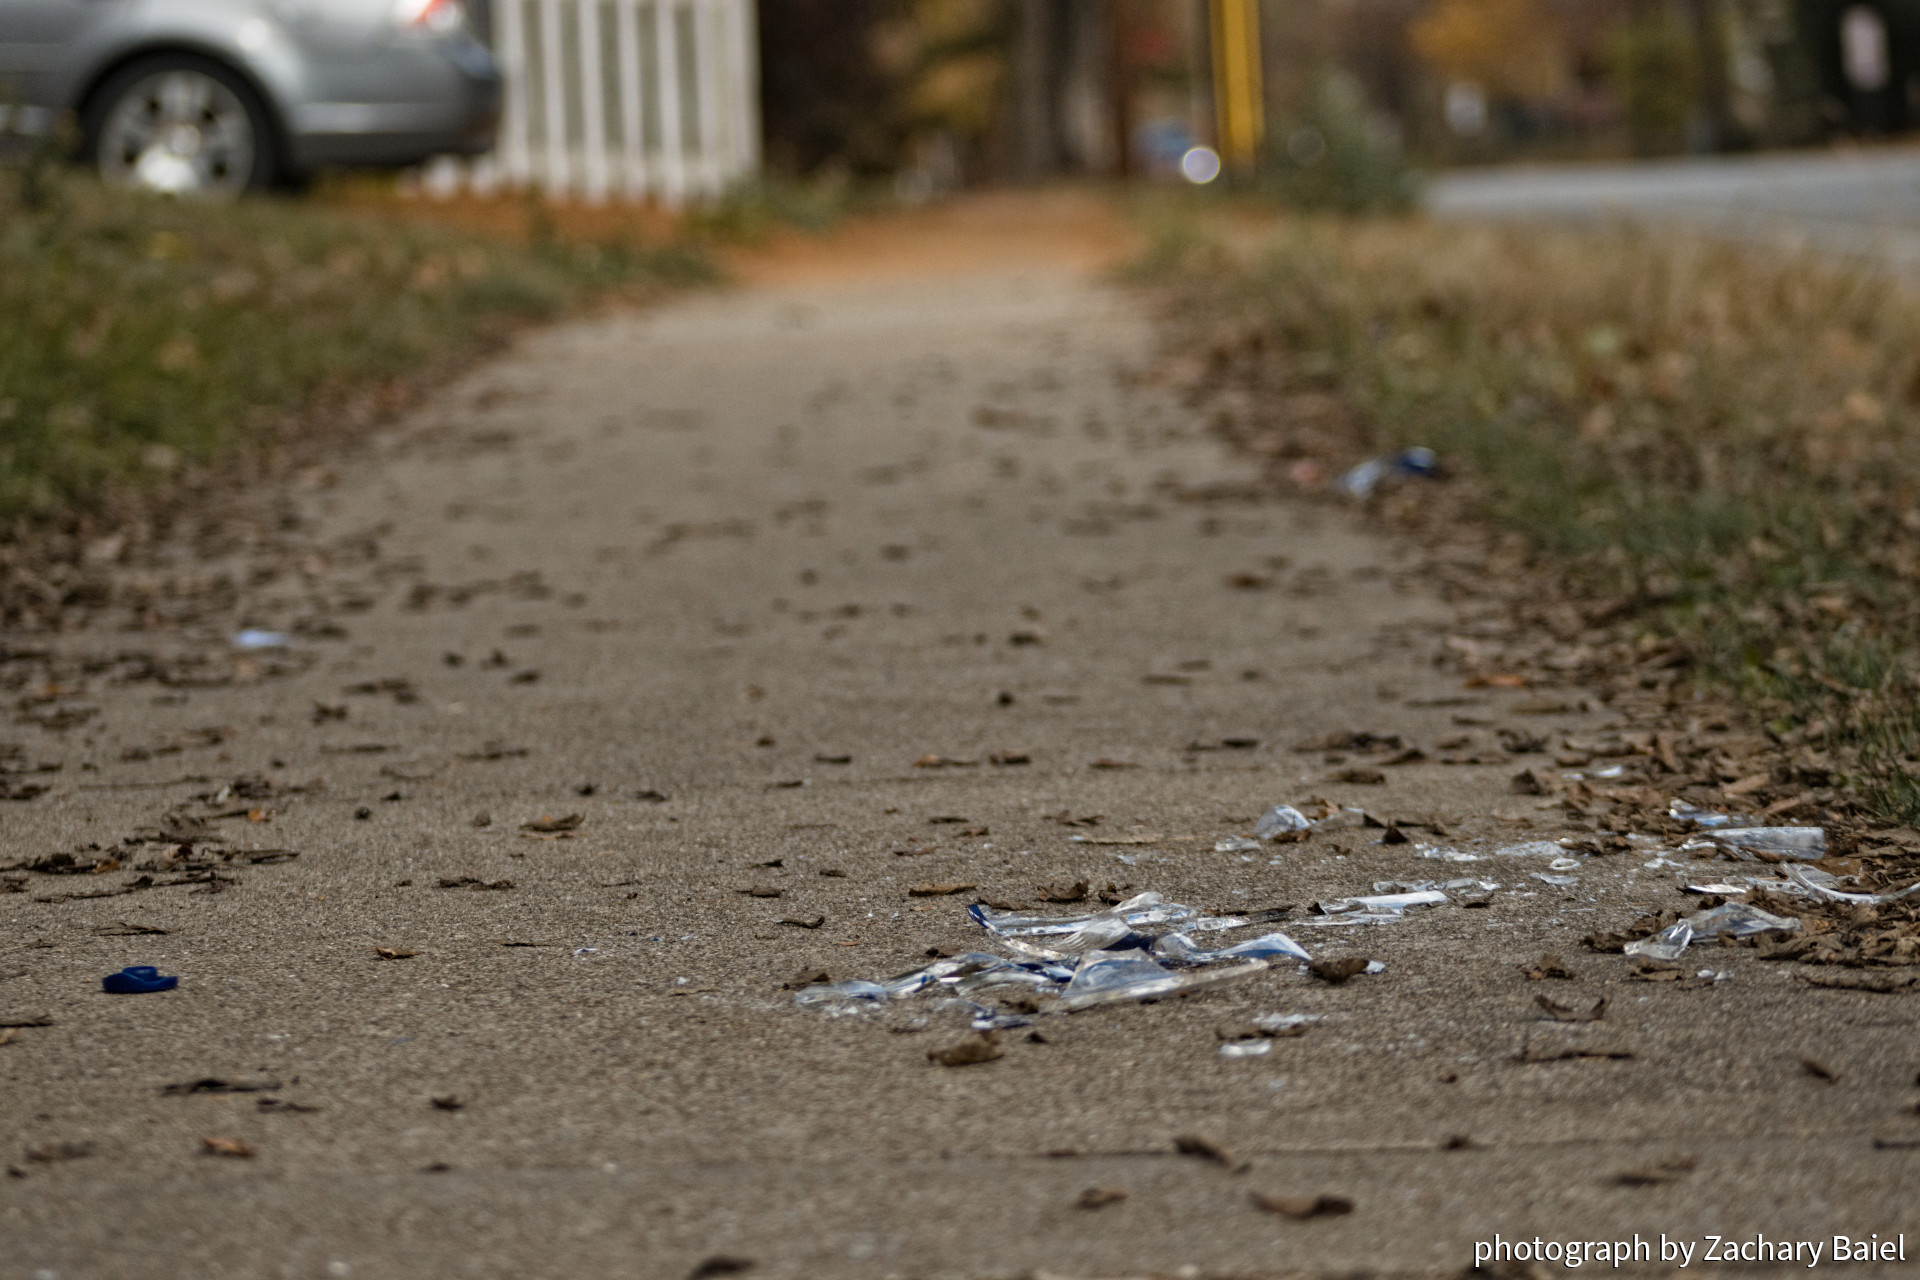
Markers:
{"x": 1865, "y": 203}
{"x": 716, "y": 577}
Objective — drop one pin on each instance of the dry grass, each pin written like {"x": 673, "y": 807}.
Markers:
{"x": 138, "y": 335}
{"x": 1719, "y": 438}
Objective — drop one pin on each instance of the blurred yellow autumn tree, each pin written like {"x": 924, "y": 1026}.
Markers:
{"x": 1509, "y": 48}
{"x": 962, "y": 60}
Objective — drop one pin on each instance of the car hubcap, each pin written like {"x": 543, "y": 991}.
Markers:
{"x": 178, "y": 132}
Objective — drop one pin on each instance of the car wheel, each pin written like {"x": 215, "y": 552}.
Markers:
{"x": 181, "y": 125}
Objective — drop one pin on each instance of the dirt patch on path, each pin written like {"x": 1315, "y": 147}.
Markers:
{"x": 1071, "y": 229}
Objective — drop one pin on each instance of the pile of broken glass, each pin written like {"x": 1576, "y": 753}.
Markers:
{"x": 1139, "y": 949}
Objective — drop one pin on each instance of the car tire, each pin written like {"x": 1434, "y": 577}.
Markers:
{"x": 183, "y": 125}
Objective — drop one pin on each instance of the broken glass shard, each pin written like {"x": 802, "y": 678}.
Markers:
{"x": 823, "y": 992}
{"x": 1442, "y": 853}
{"x": 1738, "y": 919}
{"x": 1809, "y": 844}
{"x": 1382, "y": 903}
{"x": 1180, "y": 949}
{"x": 1823, "y": 884}
{"x": 1699, "y": 817}
{"x": 1533, "y": 849}
{"x": 1668, "y": 944}
{"x": 1139, "y": 984}
{"x": 1280, "y": 820}
{"x": 1279, "y": 1022}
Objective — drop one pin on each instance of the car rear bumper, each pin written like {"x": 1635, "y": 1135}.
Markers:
{"x": 457, "y": 112}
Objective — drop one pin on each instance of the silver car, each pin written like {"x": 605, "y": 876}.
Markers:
{"x": 218, "y": 96}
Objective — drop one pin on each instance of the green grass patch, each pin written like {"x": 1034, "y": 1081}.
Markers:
{"x": 138, "y": 334}
{"x": 1722, "y": 435}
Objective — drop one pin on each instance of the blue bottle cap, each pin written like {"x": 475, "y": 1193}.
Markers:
{"x": 138, "y": 980}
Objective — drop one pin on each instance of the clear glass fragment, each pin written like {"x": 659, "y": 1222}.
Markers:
{"x": 1808, "y": 844}
{"x": 1382, "y": 903}
{"x": 1699, "y": 817}
{"x": 1739, "y": 919}
{"x": 1142, "y": 908}
{"x": 1280, "y": 820}
{"x": 1533, "y": 849}
{"x": 1180, "y": 949}
{"x": 1246, "y": 1048}
{"x": 1097, "y": 934}
{"x": 1821, "y": 884}
{"x": 1236, "y": 844}
{"x": 856, "y": 989}
{"x": 253, "y": 638}
{"x": 1106, "y": 970}
{"x": 1668, "y": 944}
{"x": 1286, "y": 1021}
{"x": 1139, "y": 984}
{"x": 1442, "y": 853}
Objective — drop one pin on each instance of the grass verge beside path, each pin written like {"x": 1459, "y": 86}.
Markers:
{"x": 1707, "y": 443}
{"x": 138, "y": 334}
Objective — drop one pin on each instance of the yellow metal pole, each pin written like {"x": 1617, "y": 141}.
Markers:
{"x": 1238, "y": 111}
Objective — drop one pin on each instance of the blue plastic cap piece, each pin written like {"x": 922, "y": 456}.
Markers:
{"x": 137, "y": 980}
{"x": 1417, "y": 461}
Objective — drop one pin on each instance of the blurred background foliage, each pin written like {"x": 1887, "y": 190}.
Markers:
{"x": 932, "y": 94}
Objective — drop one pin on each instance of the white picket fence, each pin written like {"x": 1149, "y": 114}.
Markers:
{"x": 623, "y": 98}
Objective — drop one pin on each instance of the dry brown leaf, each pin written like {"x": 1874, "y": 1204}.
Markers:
{"x": 981, "y": 1046}
{"x": 1205, "y": 1148}
{"x": 1303, "y": 1207}
{"x": 1548, "y": 966}
{"x": 1818, "y": 1069}
{"x": 1568, "y": 1013}
{"x": 1664, "y": 1171}
{"x": 1337, "y": 971}
{"x": 931, "y": 761}
{"x": 544, "y": 825}
{"x": 802, "y": 922}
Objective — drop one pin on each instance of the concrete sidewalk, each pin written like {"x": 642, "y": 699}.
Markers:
{"x": 716, "y": 577}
